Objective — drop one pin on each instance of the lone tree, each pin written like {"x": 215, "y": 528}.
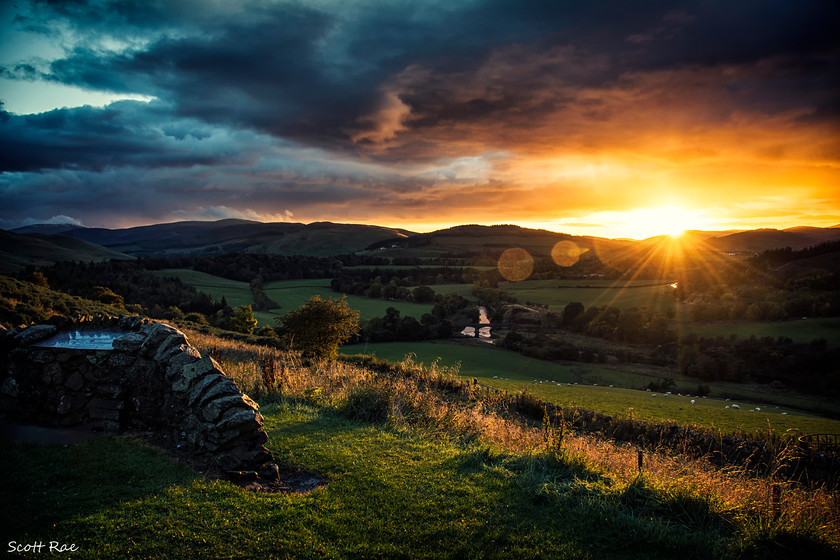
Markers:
{"x": 243, "y": 319}
{"x": 320, "y": 326}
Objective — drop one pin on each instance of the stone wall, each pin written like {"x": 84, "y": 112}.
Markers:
{"x": 153, "y": 381}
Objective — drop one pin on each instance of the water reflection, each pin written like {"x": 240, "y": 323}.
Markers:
{"x": 82, "y": 340}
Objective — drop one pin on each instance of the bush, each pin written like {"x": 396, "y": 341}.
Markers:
{"x": 320, "y": 326}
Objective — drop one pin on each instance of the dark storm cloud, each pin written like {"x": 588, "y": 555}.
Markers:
{"x": 312, "y": 74}
{"x": 242, "y": 87}
{"x": 124, "y": 133}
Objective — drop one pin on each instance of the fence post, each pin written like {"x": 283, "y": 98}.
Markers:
{"x": 641, "y": 460}
{"x": 776, "y": 501}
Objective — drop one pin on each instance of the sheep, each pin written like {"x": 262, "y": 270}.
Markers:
{"x": 736, "y": 407}
{"x": 693, "y": 401}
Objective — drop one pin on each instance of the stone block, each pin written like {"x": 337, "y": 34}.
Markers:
{"x": 51, "y": 374}
{"x": 191, "y": 373}
{"x": 269, "y": 471}
{"x": 120, "y": 360}
{"x": 155, "y": 333}
{"x": 176, "y": 363}
{"x": 130, "y": 323}
{"x": 33, "y": 334}
{"x": 238, "y": 419}
{"x": 106, "y": 404}
{"x": 202, "y": 386}
{"x": 224, "y": 388}
{"x": 97, "y": 357}
{"x": 214, "y": 409}
{"x": 10, "y": 387}
{"x": 110, "y": 390}
{"x": 129, "y": 342}
{"x": 172, "y": 345}
{"x": 102, "y": 414}
{"x": 75, "y": 382}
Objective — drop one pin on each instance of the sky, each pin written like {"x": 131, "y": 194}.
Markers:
{"x": 606, "y": 118}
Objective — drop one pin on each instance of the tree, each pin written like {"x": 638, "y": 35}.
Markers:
{"x": 572, "y": 311}
{"x": 243, "y": 319}
{"x": 320, "y": 326}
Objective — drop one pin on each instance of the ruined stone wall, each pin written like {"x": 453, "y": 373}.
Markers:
{"x": 153, "y": 381}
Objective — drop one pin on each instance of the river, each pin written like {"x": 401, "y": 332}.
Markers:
{"x": 483, "y": 332}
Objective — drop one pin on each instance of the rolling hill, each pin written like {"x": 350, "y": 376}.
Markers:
{"x": 227, "y": 236}
{"x": 18, "y": 251}
{"x": 758, "y": 240}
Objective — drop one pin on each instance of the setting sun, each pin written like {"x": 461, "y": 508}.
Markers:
{"x": 669, "y": 220}
{"x": 643, "y": 223}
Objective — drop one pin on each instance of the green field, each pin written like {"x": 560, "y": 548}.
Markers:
{"x": 559, "y": 293}
{"x": 463, "y": 290}
{"x": 289, "y": 294}
{"x": 575, "y": 385}
{"x": 235, "y": 293}
{"x": 798, "y": 330}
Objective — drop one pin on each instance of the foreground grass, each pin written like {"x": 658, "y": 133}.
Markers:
{"x": 419, "y": 465}
{"x": 391, "y": 494}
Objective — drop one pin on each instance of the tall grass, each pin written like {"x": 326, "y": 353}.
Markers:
{"x": 441, "y": 404}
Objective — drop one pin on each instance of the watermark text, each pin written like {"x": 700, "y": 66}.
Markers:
{"x": 41, "y": 546}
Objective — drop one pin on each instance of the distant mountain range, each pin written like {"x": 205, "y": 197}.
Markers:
{"x": 226, "y": 236}
{"x": 46, "y": 243}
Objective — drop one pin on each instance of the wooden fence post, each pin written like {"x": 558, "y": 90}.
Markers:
{"x": 776, "y": 501}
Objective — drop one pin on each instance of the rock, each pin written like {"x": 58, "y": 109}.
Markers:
{"x": 187, "y": 355}
{"x": 33, "y": 334}
{"x": 200, "y": 387}
{"x": 213, "y": 410}
{"x": 155, "y": 333}
{"x": 172, "y": 345}
{"x": 75, "y": 382}
{"x": 120, "y": 360}
{"x": 240, "y": 419}
{"x": 193, "y": 372}
{"x": 10, "y": 387}
{"x": 224, "y": 388}
{"x": 269, "y": 471}
{"x": 129, "y": 342}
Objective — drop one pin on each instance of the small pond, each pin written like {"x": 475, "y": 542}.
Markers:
{"x": 83, "y": 340}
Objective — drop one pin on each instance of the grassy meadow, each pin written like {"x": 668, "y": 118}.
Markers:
{"x": 236, "y": 293}
{"x": 288, "y": 294}
{"x": 291, "y": 294}
{"x": 556, "y": 294}
{"x": 798, "y": 330}
{"x": 587, "y": 386}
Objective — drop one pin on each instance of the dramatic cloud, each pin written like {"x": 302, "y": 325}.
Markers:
{"x": 424, "y": 114}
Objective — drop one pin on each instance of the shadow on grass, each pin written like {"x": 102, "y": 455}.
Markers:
{"x": 44, "y": 485}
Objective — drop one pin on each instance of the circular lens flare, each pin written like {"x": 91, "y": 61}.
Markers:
{"x": 516, "y": 265}
{"x": 566, "y": 253}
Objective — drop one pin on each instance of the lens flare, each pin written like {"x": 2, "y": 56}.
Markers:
{"x": 566, "y": 253}
{"x": 516, "y": 265}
